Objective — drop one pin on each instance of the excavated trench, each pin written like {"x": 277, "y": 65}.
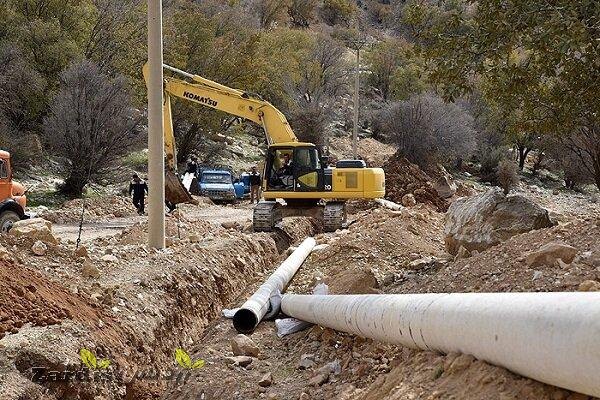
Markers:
{"x": 192, "y": 309}
{"x": 191, "y": 296}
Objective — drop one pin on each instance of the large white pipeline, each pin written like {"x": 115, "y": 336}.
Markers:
{"x": 254, "y": 309}
{"x": 551, "y": 337}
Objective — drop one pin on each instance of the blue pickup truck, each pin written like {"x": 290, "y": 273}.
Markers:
{"x": 219, "y": 184}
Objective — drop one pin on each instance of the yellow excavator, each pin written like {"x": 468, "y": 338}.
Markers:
{"x": 297, "y": 180}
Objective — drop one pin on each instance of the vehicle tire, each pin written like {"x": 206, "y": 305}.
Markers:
{"x": 7, "y": 219}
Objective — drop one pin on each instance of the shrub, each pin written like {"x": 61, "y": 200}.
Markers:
{"x": 338, "y": 11}
{"x": 490, "y": 159}
{"x": 427, "y": 130}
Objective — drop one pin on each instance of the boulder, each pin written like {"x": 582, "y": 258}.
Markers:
{"x": 549, "y": 253}
{"x": 35, "y": 228}
{"x": 81, "y": 251}
{"x": 242, "y": 361}
{"x": 589, "y": 286}
{"x": 462, "y": 253}
{"x": 483, "y": 221}
{"x": 444, "y": 186}
{"x": 266, "y": 380}
{"x": 242, "y": 345}
{"x": 109, "y": 258}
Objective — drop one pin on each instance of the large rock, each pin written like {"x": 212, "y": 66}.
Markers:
{"x": 483, "y": 221}
{"x": 242, "y": 345}
{"x": 35, "y": 228}
{"x": 549, "y": 253}
{"x": 444, "y": 185}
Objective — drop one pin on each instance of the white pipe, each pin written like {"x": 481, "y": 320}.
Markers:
{"x": 254, "y": 309}
{"x": 156, "y": 163}
{"x": 389, "y": 204}
{"x": 551, "y": 337}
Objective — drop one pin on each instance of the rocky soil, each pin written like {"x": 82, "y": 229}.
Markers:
{"x": 136, "y": 307}
{"x": 406, "y": 184}
{"x": 121, "y": 301}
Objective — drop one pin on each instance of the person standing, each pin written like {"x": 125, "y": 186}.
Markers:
{"x": 138, "y": 188}
{"x": 255, "y": 182}
{"x": 192, "y": 166}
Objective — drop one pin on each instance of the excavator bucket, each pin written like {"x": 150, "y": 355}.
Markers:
{"x": 175, "y": 192}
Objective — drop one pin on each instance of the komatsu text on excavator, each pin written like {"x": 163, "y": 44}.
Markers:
{"x": 297, "y": 179}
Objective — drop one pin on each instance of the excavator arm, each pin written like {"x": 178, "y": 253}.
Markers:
{"x": 214, "y": 95}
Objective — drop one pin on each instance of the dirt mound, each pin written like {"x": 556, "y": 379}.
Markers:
{"x": 353, "y": 282}
{"x": 403, "y": 177}
{"x": 96, "y": 209}
{"x": 372, "y": 151}
{"x": 381, "y": 243}
{"x": 27, "y": 296}
{"x": 504, "y": 268}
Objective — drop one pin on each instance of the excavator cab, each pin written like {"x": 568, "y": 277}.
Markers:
{"x": 294, "y": 167}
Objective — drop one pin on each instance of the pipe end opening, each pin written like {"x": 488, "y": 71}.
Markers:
{"x": 244, "y": 321}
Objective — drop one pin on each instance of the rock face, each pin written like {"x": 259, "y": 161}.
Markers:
{"x": 35, "y": 228}
{"x": 483, "y": 221}
{"x": 550, "y": 253}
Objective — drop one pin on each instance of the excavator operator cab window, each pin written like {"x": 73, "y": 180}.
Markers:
{"x": 281, "y": 169}
{"x": 295, "y": 169}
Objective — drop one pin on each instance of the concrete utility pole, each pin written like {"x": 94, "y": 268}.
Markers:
{"x": 156, "y": 162}
{"x": 356, "y": 103}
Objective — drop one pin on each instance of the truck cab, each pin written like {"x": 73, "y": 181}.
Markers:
{"x": 12, "y": 195}
{"x": 219, "y": 185}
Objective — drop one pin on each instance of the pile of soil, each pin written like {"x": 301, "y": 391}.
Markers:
{"x": 381, "y": 242}
{"x": 403, "y": 177}
{"x": 503, "y": 268}
{"x": 27, "y": 296}
{"x": 96, "y": 209}
{"x": 372, "y": 151}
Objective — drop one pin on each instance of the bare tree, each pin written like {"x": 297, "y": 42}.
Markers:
{"x": 584, "y": 145}
{"x": 91, "y": 124}
{"x": 270, "y": 11}
{"x": 576, "y": 164}
{"x": 302, "y": 12}
{"x": 427, "y": 130}
{"x": 323, "y": 79}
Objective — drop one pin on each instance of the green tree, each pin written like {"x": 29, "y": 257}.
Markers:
{"x": 539, "y": 58}
{"x": 302, "y": 12}
{"x": 395, "y": 69}
{"x": 302, "y": 74}
{"x": 218, "y": 48}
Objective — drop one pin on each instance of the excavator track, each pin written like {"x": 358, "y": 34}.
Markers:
{"x": 334, "y": 216}
{"x": 266, "y": 215}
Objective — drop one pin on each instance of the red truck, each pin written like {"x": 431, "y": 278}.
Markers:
{"x": 12, "y": 195}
